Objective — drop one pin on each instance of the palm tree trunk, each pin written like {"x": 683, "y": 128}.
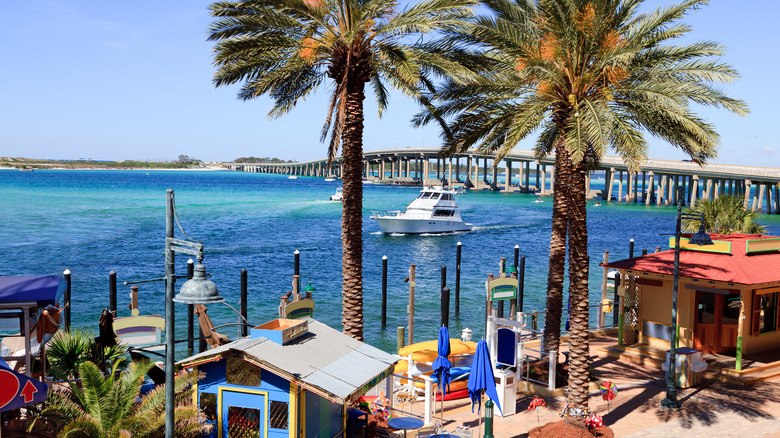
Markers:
{"x": 579, "y": 356}
{"x": 557, "y": 266}
{"x": 352, "y": 213}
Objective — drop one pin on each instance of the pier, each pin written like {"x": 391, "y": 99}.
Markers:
{"x": 656, "y": 183}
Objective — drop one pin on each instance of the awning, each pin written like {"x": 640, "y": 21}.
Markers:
{"x": 43, "y": 289}
{"x": 17, "y": 390}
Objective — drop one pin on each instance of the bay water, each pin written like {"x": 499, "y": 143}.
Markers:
{"x": 95, "y": 221}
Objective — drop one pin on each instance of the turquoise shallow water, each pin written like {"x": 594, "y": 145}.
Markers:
{"x": 94, "y": 221}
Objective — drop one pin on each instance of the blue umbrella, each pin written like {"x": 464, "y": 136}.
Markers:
{"x": 481, "y": 378}
{"x": 442, "y": 365}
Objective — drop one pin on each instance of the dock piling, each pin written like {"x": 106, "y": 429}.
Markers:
{"x": 244, "y": 307}
{"x": 457, "y": 279}
{"x": 66, "y": 300}
{"x": 410, "y": 309}
{"x": 190, "y": 311}
{"x": 445, "y": 307}
{"x": 521, "y": 284}
{"x": 112, "y": 292}
{"x": 384, "y": 291}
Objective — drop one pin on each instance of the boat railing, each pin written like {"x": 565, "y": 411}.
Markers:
{"x": 399, "y": 213}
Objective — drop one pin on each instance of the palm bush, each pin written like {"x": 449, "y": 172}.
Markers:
{"x": 109, "y": 406}
{"x": 725, "y": 215}
{"x": 67, "y": 350}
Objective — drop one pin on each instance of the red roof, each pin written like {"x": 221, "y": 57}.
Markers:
{"x": 737, "y": 267}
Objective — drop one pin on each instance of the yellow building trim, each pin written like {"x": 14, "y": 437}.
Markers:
{"x": 245, "y": 391}
{"x": 303, "y": 412}
{"x": 292, "y": 421}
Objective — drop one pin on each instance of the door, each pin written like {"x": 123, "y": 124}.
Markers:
{"x": 243, "y": 413}
{"x": 715, "y": 323}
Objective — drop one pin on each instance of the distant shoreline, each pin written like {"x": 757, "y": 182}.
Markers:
{"x": 36, "y": 164}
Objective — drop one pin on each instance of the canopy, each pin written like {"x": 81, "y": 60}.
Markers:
{"x": 17, "y": 390}
{"x": 43, "y": 289}
{"x": 481, "y": 378}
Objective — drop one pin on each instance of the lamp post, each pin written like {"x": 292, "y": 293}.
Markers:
{"x": 198, "y": 290}
{"x": 700, "y": 238}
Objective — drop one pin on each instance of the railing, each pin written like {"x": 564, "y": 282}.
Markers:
{"x": 526, "y": 356}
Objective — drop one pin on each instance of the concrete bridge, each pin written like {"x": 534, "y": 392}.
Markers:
{"x": 656, "y": 183}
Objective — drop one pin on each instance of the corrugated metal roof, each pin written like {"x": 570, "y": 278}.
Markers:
{"x": 324, "y": 358}
{"x": 737, "y": 267}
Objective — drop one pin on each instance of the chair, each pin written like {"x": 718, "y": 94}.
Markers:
{"x": 463, "y": 431}
{"x": 426, "y": 431}
{"x": 381, "y": 432}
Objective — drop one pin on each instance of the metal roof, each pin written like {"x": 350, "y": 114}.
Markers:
{"x": 323, "y": 358}
{"x": 736, "y": 267}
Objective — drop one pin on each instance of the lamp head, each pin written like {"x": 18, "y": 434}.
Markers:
{"x": 199, "y": 290}
{"x": 309, "y": 288}
{"x": 701, "y": 238}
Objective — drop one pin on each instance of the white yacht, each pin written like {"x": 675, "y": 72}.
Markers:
{"x": 338, "y": 196}
{"x": 433, "y": 211}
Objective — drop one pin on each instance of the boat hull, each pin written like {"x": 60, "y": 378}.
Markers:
{"x": 398, "y": 225}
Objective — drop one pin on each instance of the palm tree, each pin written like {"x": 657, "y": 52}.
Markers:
{"x": 287, "y": 48}
{"x": 587, "y": 75}
{"x": 107, "y": 407}
{"x": 724, "y": 215}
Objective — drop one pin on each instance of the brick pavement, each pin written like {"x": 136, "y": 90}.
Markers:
{"x": 711, "y": 410}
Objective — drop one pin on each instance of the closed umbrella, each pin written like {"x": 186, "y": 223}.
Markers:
{"x": 442, "y": 365}
{"x": 481, "y": 379}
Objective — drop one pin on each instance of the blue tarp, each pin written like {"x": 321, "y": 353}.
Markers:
{"x": 17, "y": 390}
{"x": 44, "y": 289}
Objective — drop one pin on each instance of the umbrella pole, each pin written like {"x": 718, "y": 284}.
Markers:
{"x": 479, "y": 413}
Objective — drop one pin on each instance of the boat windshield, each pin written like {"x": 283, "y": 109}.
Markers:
{"x": 446, "y": 197}
{"x": 427, "y": 195}
{"x": 443, "y": 213}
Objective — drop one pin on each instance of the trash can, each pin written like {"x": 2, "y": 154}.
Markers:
{"x": 507, "y": 391}
{"x": 689, "y": 366}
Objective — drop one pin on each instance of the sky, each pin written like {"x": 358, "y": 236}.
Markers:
{"x": 131, "y": 80}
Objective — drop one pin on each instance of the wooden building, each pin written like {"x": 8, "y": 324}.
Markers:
{"x": 728, "y": 299}
{"x": 289, "y": 378}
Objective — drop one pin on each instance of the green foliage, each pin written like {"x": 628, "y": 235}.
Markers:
{"x": 69, "y": 349}
{"x": 286, "y": 49}
{"x": 725, "y": 215}
{"x": 260, "y": 160}
{"x": 108, "y": 407}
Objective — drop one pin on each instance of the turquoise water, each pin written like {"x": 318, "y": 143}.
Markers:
{"x": 94, "y": 221}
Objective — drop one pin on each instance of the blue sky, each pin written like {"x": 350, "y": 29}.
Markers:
{"x": 132, "y": 80}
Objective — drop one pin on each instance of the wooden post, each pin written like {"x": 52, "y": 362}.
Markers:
{"x": 190, "y": 312}
{"x": 457, "y": 279}
{"x": 244, "y": 308}
{"x": 410, "y": 310}
{"x": 112, "y": 292}
{"x": 384, "y": 291}
{"x": 602, "y": 315}
{"x": 400, "y": 338}
{"x": 521, "y": 284}
{"x": 66, "y": 299}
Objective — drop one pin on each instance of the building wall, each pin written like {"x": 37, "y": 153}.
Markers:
{"x": 762, "y": 342}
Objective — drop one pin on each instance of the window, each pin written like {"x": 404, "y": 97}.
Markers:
{"x": 278, "y": 415}
{"x": 442, "y": 213}
{"x": 243, "y": 422}
{"x": 208, "y": 402}
{"x": 764, "y": 311}
{"x": 241, "y": 372}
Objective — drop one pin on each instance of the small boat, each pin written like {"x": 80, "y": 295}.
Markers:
{"x": 338, "y": 196}
{"x": 330, "y": 179}
{"x": 433, "y": 211}
{"x": 292, "y": 177}
{"x": 368, "y": 181}
{"x": 538, "y": 201}
{"x": 296, "y": 305}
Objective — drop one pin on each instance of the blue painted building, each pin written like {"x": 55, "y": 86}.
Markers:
{"x": 289, "y": 378}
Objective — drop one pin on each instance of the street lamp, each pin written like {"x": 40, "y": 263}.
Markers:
{"x": 700, "y": 238}
{"x": 198, "y": 290}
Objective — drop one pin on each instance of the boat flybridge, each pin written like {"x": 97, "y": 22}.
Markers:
{"x": 433, "y": 211}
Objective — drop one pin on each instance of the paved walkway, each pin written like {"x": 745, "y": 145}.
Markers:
{"x": 711, "y": 410}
